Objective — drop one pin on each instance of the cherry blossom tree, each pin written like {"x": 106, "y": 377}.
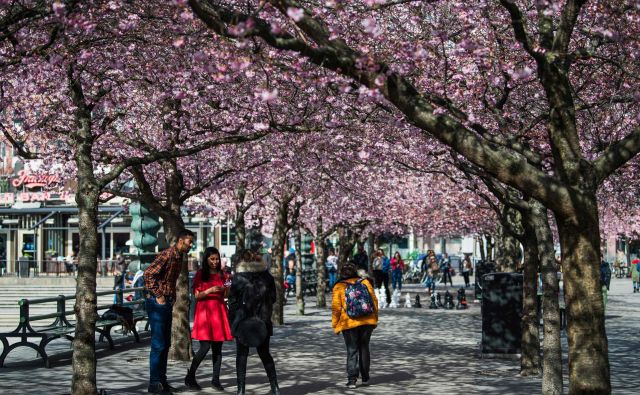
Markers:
{"x": 508, "y": 100}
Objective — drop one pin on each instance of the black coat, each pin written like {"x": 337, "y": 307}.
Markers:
{"x": 252, "y": 293}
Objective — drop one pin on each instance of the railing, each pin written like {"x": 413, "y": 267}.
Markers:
{"x": 53, "y": 267}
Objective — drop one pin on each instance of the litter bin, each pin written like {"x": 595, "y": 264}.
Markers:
{"x": 501, "y": 313}
{"x": 23, "y": 266}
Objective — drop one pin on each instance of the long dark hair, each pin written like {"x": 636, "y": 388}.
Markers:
{"x": 206, "y": 270}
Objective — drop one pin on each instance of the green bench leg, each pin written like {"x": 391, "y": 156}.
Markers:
{"x": 8, "y": 348}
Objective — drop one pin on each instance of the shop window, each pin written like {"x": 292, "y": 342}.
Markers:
{"x": 228, "y": 234}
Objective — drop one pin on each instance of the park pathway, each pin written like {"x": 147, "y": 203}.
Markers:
{"x": 414, "y": 351}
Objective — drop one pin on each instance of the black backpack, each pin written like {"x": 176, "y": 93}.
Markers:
{"x": 119, "y": 313}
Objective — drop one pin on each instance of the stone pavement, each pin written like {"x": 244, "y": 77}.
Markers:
{"x": 414, "y": 351}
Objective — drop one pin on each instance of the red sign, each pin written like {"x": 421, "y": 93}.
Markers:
{"x": 35, "y": 181}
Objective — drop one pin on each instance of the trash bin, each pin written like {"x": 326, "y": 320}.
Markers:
{"x": 501, "y": 313}
{"x": 23, "y": 267}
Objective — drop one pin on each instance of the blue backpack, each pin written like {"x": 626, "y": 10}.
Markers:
{"x": 359, "y": 302}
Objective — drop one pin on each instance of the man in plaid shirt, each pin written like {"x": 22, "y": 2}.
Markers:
{"x": 160, "y": 280}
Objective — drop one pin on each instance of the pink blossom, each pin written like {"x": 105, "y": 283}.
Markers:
{"x": 295, "y": 13}
{"x": 268, "y": 96}
{"x": 178, "y": 42}
{"x": 58, "y": 8}
{"x": 371, "y": 27}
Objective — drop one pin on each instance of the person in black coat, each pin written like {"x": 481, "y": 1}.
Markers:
{"x": 251, "y": 299}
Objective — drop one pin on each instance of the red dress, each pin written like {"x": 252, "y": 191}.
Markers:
{"x": 211, "y": 321}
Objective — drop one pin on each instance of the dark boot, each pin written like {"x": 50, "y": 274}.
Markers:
{"x": 240, "y": 388}
{"x": 216, "y": 384}
{"x": 275, "y": 390}
{"x": 190, "y": 381}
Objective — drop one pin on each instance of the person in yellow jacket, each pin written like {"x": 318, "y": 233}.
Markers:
{"x": 355, "y": 330}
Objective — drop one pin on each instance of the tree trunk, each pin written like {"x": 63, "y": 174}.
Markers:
{"x": 371, "y": 248}
{"x": 552, "y": 348}
{"x": 84, "y": 344}
{"x": 483, "y": 255}
{"x": 490, "y": 244}
{"x": 507, "y": 251}
{"x": 181, "y": 349}
{"x": 241, "y": 230}
{"x": 240, "y": 224}
{"x": 588, "y": 345}
{"x": 279, "y": 240}
{"x": 530, "y": 360}
{"x": 321, "y": 256}
{"x": 299, "y": 282}
{"x": 83, "y": 380}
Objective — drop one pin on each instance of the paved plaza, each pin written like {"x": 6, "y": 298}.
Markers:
{"x": 414, "y": 351}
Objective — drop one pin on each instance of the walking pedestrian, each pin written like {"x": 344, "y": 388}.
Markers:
{"x": 445, "y": 268}
{"x": 635, "y": 275}
{"x": 251, "y": 299}
{"x": 605, "y": 280}
{"x": 356, "y": 330}
{"x": 160, "y": 281}
{"x": 332, "y": 268}
{"x": 290, "y": 278}
{"x": 397, "y": 268}
{"x": 466, "y": 270}
{"x": 211, "y": 322}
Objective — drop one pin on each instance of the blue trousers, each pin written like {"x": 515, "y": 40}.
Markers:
{"x": 396, "y": 279}
{"x": 332, "y": 279}
{"x": 160, "y": 323}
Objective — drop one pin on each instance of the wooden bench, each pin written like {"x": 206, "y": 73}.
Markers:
{"x": 61, "y": 327}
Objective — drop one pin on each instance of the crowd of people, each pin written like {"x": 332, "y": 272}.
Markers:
{"x": 250, "y": 293}
{"x": 246, "y": 316}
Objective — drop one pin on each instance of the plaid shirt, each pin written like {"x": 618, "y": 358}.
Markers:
{"x": 160, "y": 278}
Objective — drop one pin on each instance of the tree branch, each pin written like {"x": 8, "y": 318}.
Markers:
{"x": 176, "y": 153}
{"x": 616, "y": 155}
{"x": 519, "y": 28}
{"x": 568, "y": 18}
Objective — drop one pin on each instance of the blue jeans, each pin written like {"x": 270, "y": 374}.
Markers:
{"x": 160, "y": 323}
{"x": 396, "y": 280}
{"x": 332, "y": 279}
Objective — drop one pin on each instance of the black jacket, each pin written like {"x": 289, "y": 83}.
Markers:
{"x": 361, "y": 261}
{"x": 252, "y": 293}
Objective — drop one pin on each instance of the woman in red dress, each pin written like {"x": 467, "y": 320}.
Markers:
{"x": 211, "y": 323}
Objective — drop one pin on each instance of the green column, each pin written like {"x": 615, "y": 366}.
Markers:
{"x": 145, "y": 225}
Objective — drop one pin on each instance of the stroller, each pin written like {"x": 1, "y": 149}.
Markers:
{"x": 413, "y": 275}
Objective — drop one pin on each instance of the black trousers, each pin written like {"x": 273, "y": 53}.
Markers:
{"x": 466, "y": 278}
{"x": 242, "y": 354}
{"x": 382, "y": 278}
{"x": 358, "y": 357}
{"x": 445, "y": 275}
{"x": 216, "y": 358}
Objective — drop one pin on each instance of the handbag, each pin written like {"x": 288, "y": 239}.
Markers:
{"x": 251, "y": 331}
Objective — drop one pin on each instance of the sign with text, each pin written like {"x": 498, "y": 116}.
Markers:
{"x": 31, "y": 181}
{"x": 11, "y": 198}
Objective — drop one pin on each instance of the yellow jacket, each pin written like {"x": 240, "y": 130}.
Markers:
{"x": 339, "y": 318}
